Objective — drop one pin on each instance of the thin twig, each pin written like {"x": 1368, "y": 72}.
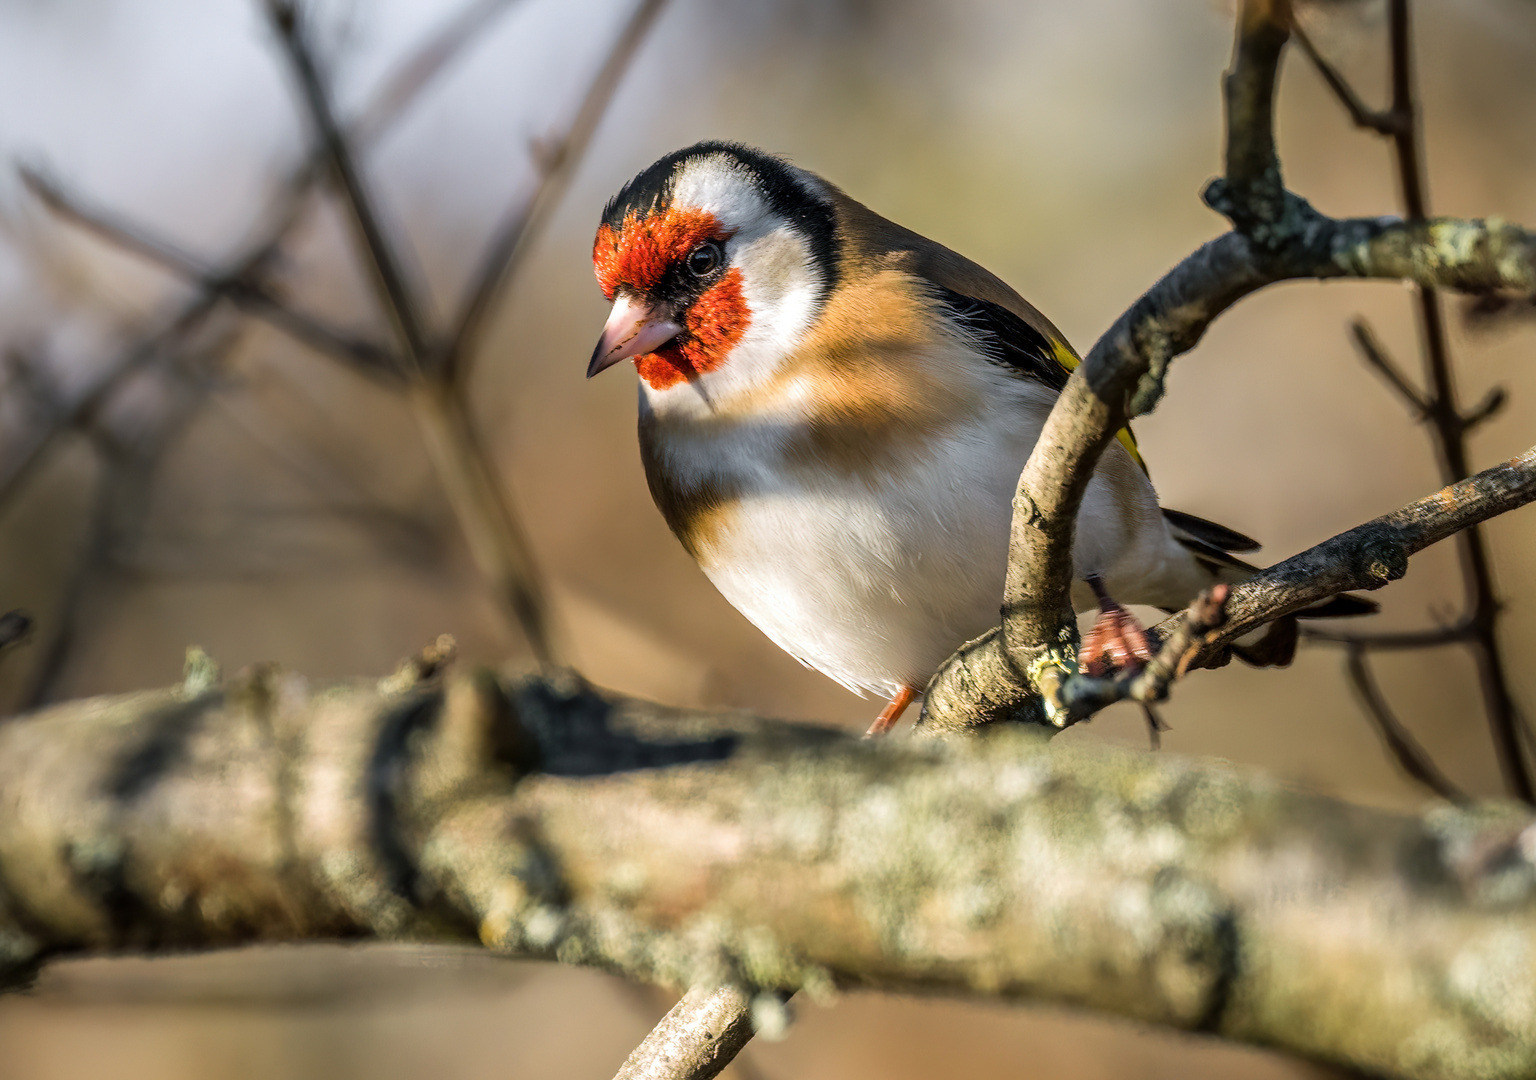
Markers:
{"x": 491, "y": 525}
{"x": 1455, "y": 634}
{"x": 1156, "y": 725}
{"x": 1450, "y": 431}
{"x": 1400, "y": 743}
{"x": 1084, "y": 695}
{"x": 15, "y": 472}
{"x": 423, "y": 66}
{"x": 397, "y": 298}
{"x": 1376, "y": 356}
{"x": 1374, "y": 554}
{"x": 555, "y": 163}
{"x": 1485, "y": 410}
{"x": 1381, "y": 121}
{"x": 697, "y": 1039}
{"x": 243, "y": 289}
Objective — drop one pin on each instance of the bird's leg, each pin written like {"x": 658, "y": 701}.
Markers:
{"x": 1117, "y": 639}
{"x": 891, "y": 713}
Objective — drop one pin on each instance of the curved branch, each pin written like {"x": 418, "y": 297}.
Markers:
{"x": 1407, "y": 751}
{"x": 980, "y": 686}
{"x": 1024, "y": 667}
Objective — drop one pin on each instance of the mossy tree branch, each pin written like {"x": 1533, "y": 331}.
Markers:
{"x": 535, "y": 817}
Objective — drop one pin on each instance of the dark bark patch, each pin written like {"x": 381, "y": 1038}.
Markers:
{"x": 169, "y": 729}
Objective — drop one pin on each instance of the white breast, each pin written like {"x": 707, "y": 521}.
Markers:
{"x": 875, "y": 579}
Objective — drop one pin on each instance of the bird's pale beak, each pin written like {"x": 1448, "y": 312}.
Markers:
{"x": 633, "y": 329}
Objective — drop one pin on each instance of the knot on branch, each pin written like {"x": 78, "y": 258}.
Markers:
{"x": 1155, "y": 346}
{"x": 978, "y": 685}
{"x": 1279, "y": 225}
{"x": 1380, "y": 557}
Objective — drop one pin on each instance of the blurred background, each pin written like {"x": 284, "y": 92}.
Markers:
{"x": 219, "y": 484}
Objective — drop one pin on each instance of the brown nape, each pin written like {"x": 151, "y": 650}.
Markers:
{"x": 891, "y": 713}
{"x": 871, "y": 243}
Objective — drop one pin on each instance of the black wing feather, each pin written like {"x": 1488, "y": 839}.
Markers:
{"x": 1006, "y": 339}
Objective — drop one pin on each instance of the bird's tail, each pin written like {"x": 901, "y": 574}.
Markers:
{"x": 1212, "y": 546}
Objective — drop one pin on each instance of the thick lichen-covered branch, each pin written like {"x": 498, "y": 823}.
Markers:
{"x": 544, "y": 820}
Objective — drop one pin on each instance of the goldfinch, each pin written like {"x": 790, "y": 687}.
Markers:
{"x": 834, "y": 412}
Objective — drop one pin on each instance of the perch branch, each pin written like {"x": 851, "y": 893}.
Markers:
{"x": 547, "y": 821}
{"x": 1021, "y": 671}
{"x": 1370, "y": 555}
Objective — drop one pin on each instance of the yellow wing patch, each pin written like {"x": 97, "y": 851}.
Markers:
{"x": 1069, "y": 360}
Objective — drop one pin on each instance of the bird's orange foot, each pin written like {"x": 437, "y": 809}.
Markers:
{"x": 891, "y": 713}
{"x": 1117, "y": 641}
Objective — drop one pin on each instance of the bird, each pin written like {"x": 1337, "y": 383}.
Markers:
{"x": 833, "y": 415}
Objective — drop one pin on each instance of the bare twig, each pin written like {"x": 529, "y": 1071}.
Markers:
{"x": 1374, "y": 554}
{"x": 1381, "y": 121}
{"x": 429, "y": 60}
{"x": 1376, "y": 356}
{"x": 1450, "y": 429}
{"x": 491, "y": 524}
{"x": 395, "y": 295}
{"x": 556, "y": 161}
{"x": 492, "y": 528}
{"x": 243, "y": 288}
{"x": 1454, "y": 634}
{"x": 126, "y": 468}
{"x": 395, "y": 96}
{"x": 1404, "y": 748}
{"x": 697, "y": 1039}
{"x": 14, "y": 472}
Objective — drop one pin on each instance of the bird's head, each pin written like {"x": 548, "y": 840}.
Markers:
{"x": 717, "y": 259}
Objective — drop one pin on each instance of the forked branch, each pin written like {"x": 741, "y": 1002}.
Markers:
{"x": 1022, "y": 670}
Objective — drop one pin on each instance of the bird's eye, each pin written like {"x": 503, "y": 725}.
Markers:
{"x": 704, "y": 258}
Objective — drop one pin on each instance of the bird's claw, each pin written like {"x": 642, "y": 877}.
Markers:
{"x": 1117, "y": 642}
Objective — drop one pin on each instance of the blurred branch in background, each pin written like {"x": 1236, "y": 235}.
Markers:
{"x": 14, "y": 627}
{"x": 129, "y": 453}
{"x": 1448, "y": 425}
{"x": 431, "y": 372}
